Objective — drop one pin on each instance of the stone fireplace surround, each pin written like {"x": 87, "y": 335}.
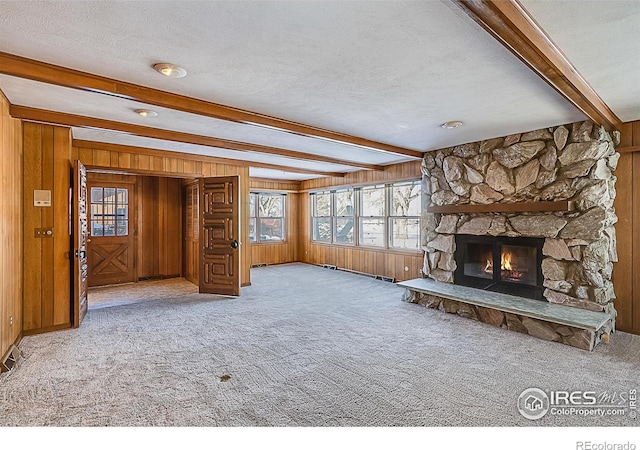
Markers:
{"x": 570, "y": 162}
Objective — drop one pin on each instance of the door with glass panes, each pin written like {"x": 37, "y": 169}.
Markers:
{"x": 111, "y": 238}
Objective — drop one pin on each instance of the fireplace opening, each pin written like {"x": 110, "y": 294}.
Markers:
{"x": 500, "y": 264}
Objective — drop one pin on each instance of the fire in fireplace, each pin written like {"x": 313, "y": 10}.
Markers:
{"x": 500, "y": 264}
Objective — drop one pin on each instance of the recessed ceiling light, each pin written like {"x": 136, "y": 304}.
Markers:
{"x": 170, "y": 70}
{"x": 451, "y": 125}
{"x": 146, "y": 112}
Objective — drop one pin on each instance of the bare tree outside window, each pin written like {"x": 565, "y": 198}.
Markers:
{"x": 386, "y": 216}
{"x": 266, "y": 217}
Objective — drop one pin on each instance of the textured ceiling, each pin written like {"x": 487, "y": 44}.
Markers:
{"x": 602, "y": 40}
{"x": 387, "y": 71}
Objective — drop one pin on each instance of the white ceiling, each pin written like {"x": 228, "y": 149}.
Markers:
{"x": 387, "y": 71}
{"x": 602, "y": 40}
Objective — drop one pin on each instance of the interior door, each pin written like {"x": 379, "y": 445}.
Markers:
{"x": 111, "y": 245}
{"x": 219, "y": 234}
{"x": 80, "y": 236}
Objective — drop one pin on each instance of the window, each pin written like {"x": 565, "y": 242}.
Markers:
{"x": 372, "y": 216}
{"x": 385, "y": 216}
{"x": 344, "y": 217}
{"x": 266, "y": 217}
{"x": 322, "y": 206}
{"x": 109, "y": 211}
{"x": 404, "y": 220}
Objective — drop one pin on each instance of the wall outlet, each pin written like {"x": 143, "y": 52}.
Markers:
{"x": 10, "y": 321}
{"x": 406, "y": 268}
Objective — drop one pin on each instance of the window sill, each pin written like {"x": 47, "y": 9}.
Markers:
{"x": 268, "y": 242}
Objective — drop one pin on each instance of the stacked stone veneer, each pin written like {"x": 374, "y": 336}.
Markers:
{"x": 571, "y": 162}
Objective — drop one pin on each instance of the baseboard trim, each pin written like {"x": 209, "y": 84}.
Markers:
{"x": 64, "y": 326}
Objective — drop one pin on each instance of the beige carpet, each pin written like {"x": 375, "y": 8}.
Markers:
{"x": 303, "y": 346}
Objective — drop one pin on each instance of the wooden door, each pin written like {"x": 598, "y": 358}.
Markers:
{"x": 219, "y": 234}
{"x": 80, "y": 237}
{"x": 111, "y": 245}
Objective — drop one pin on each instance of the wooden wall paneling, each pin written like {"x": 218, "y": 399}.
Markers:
{"x": 102, "y": 158}
{"x": 287, "y": 250}
{"x": 161, "y": 219}
{"x": 47, "y": 253}
{"x": 623, "y": 269}
{"x": 245, "y": 251}
{"x": 61, "y": 225}
{"x": 32, "y": 307}
{"x": 170, "y": 232}
{"x": 147, "y": 202}
{"x": 11, "y": 223}
{"x": 47, "y": 267}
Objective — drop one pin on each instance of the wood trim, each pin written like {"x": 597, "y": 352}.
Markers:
{"x": 48, "y": 73}
{"x": 628, "y": 149}
{"x": 72, "y": 120}
{"x": 64, "y": 326}
{"x": 512, "y": 25}
{"x": 94, "y": 145}
{"x": 564, "y": 205}
{"x": 151, "y": 173}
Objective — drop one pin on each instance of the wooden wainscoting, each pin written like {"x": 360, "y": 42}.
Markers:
{"x": 395, "y": 264}
{"x": 380, "y": 262}
{"x": 11, "y": 231}
{"x": 47, "y": 264}
{"x": 626, "y": 272}
{"x": 285, "y": 251}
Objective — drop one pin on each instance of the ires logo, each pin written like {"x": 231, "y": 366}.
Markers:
{"x": 575, "y": 398}
{"x": 534, "y": 403}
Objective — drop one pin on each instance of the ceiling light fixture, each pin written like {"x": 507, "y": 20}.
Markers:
{"x": 451, "y": 125}
{"x": 170, "y": 70}
{"x": 146, "y": 112}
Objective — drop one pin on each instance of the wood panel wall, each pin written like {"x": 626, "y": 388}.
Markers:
{"x": 172, "y": 165}
{"x": 11, "y": 223}
{"x": 156, "y": 219}
{"x": 47, "y": 264}
{"x": 285, "y": 251}
{"x": 159, "y": 225}
{"x": 397, "y": 172}
{"x": 626, "y": 272}
{"x": 400, "y": 265}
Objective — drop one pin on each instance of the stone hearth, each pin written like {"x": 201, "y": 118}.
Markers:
{"x": 572, "y": 162}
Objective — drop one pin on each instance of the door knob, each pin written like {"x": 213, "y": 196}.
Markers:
{"x": 234, "y": 244}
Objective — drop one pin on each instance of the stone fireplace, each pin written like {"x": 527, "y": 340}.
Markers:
{"x": 542, "y": 198}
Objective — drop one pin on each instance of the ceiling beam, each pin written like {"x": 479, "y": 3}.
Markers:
{"x": 71, "y": 120}
{"x": 95, "y": 145}
{"x": 512, "y": 25}
{"x": 61, "y": 76}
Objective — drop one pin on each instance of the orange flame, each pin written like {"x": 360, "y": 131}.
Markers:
{"x": 506, "y": 262}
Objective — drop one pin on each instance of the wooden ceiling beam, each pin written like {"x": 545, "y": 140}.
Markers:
{"x": 95, "y": 145}
{"x": 61, "y": 76}
{"x": 71, "y": 120}
{"x": 512, "y": 25}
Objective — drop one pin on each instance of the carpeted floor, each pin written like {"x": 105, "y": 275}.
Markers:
{"x": 303, "y": 346}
